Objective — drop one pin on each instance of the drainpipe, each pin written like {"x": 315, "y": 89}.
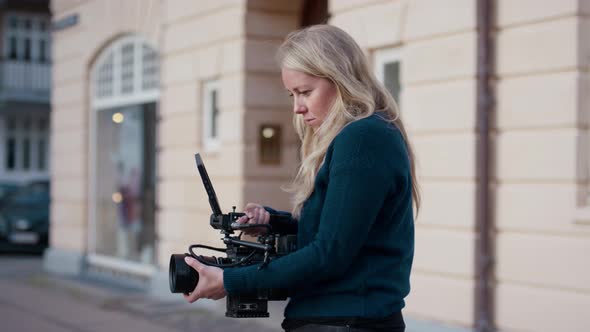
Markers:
{"x": 484, "y": 260}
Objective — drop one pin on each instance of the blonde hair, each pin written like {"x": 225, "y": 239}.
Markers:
{"x": 328, "y": 52}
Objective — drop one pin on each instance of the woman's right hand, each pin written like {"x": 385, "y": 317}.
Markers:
{"x": 255, "y": 214}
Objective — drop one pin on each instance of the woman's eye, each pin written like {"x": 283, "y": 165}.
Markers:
{"x": 305, "y": 93}
{"x": 290, "y": 94}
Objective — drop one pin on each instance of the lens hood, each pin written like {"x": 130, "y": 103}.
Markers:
{"x": 182, "y": 277}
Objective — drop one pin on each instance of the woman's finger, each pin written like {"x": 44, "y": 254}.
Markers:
{"x": 195, "y": 264}
{"x": 250, "y": 207}
{"x": 266, "y": 217}
{"x": 192, "y": 297}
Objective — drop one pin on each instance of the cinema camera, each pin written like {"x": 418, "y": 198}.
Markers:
{"x": 278, "y": 240}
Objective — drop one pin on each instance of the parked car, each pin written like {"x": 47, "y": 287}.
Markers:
{"x": 7, "y": 188}
{"x": 24, "y": 218}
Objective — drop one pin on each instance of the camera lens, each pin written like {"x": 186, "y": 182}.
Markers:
{"x": 182, "y": 277}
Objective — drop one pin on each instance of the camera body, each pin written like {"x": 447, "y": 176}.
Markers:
{"x": 254, "y": 304}
{"x": 184, "y": 279}
{"x": 278, "y": 240}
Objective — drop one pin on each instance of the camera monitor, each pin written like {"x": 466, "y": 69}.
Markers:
{"x": 208, "y": 186}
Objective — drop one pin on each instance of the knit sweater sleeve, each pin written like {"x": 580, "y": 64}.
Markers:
{"x": 282, "y": 222}
{"x": 362, "y": 171}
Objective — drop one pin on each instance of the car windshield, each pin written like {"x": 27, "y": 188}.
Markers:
{"x": 6, "y": 189}
{"x": 34, "y": 193}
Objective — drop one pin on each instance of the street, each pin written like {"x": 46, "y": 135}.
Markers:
{"x": 32, "y": 300}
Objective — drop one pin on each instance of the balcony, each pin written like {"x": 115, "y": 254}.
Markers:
{"x": 25, "y": 82}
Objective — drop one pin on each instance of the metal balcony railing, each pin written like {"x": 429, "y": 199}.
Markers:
{"x": 25, "y": 81}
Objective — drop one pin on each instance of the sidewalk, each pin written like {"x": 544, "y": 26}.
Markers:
{"x": 31, "y": 300}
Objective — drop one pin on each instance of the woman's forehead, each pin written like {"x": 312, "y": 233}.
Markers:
{"x": 298, "y": 78}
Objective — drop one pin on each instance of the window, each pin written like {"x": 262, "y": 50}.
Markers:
{"x": 41, "y": 164}
{"x": 11, "y": 124}
{"x": 387, "y": 70}
{"x": 124, "y": 91}
{"x": 27, "y": 55}
{"x": 26, "y": 153}
{"x": 211, "y": 115}
{"x": 10, "y": 153}
{"x": 104, "y": 80}
{"x": 125, "y": 72}
{"x": 42, "y": 51}
{"x": 26, "y": 37}
{"x": 42, "y": 144}
{"x": 10, "y": 144}
{"x": 149, "y": 68}
{"x": 12, "y": 48}
{"x": 127, "y": 68}
{"x": 26, "y": 142}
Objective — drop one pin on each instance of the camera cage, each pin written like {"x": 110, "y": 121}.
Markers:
{"x": 279, "y": 240}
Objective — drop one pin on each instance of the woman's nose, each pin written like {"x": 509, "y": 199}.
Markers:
{"x": 298, "y": 108}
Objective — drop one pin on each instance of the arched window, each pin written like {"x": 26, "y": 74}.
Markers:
{"x": 125, "y": 73}
{"x": 124, "y": 91}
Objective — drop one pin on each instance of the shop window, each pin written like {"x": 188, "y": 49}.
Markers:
{"x": 124, "y": 86}
{"x": 211, "y": 116}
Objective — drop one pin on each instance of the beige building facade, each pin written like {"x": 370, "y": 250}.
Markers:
{"x": 140, "y": 86}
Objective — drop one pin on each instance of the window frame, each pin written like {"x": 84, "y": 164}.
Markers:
{"x": 20, "y": 135}
{"x": 35, "y": 35}
{"x": 112, "y": 58}
{"x": 140, "y": 94}
{"x": 382, "y": 57}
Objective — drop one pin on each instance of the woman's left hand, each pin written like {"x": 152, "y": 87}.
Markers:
{"x": 210, "y": 284}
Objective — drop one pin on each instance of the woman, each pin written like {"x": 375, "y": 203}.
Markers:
{"x": 352, "y": 196}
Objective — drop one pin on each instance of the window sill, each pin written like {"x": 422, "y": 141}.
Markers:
{"x": 582, "y": 216}
{"x": 211, "y": 145}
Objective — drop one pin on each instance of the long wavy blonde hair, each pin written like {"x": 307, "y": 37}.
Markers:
{"x": 328, "y": 52}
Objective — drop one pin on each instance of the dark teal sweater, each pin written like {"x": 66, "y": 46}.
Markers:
{"x": 355, "y": 233}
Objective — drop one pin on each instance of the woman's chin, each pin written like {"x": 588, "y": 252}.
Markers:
{"x": 314, "y": 124}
